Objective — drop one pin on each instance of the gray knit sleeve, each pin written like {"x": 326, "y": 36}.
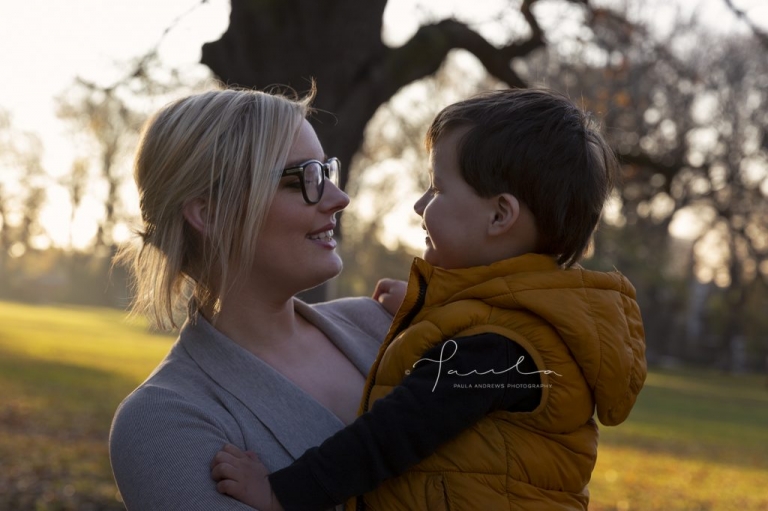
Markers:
{"x": 161, "y": 447}
{"x": 365, "y": 314}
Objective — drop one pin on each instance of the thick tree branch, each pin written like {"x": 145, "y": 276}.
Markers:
{"x": 761, "y": 34}
{"x": 423, "y": 54}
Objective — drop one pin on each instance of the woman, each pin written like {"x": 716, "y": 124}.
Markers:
{"x": 238, "y": 203}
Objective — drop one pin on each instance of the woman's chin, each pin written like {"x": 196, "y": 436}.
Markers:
{"x": 329, "y": 270}
{"x": 335, "y": 269}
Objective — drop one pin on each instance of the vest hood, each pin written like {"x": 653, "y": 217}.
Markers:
{"x": 594, "y": 313}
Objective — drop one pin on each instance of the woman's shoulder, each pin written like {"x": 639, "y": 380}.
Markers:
{"x": 157, "y": 396}
{"x": 176, "y": 386}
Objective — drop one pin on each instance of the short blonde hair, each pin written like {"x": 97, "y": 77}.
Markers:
{"x": 227, "y": 147}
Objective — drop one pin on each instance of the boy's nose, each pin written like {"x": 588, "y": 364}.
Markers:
{"x": 420, "y": 204}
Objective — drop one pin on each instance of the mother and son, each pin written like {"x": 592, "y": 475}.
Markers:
{"x": 500, "y": 352}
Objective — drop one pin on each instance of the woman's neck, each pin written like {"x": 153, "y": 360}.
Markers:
{"x": 256, "y": 322}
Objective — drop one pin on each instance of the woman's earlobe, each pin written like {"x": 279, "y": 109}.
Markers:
{"x": 195, "y": 212}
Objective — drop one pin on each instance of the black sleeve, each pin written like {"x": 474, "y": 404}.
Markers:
{"x": 454, "y": 385}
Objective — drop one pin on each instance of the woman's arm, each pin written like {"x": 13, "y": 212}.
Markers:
{"x": 160, "y": 448}
{"x": 429, "y": 408}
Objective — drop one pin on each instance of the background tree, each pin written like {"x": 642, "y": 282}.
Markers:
{"x": 5, "y": 239}
{"x": 683, "y": 109}
{"x": 75, "y": 183}
{"x": 339, "y": 44}
{"x": 686, "y": 114}
{"x": 390, "y": 173}
{"x": 105, "y": 119}
{"x": 23, "y": 192}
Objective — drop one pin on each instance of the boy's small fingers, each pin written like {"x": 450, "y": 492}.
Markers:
{"x": 233, "y": 450}
{"x": 253, "y": 455}
{"x": 223, "y": 471}
{"x": 382, "y": 286}
{"x": 226, "y": 487}
{"x": 223, "y": 457}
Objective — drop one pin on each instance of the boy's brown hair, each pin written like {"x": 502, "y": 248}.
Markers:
{"x": 538, "y": 146}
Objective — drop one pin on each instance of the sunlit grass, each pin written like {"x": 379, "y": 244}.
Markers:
{"x": 697, "y": 440}
{"x": 98, "y": 338}
{"x": 63, "y": 372}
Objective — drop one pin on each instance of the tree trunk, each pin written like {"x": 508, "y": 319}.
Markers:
{"x": 338, "y": 44}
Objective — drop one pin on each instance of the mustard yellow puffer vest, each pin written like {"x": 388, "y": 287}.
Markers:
{"x": 583, "y": 325}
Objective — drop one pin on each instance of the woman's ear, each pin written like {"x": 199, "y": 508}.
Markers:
{"x": 195, "y": 212}
{"x": 506, "y": 211}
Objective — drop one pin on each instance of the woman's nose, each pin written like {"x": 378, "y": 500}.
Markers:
{"x": 334, "y": 199}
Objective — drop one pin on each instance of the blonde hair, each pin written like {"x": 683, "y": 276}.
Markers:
{"x": 228, "y": 148}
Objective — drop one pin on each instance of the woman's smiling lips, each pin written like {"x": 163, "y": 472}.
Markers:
{"x": 323, "y": 236}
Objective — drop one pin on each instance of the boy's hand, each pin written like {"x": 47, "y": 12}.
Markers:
{"x": 243, "y": 476}
{"x": 390, "y": 293}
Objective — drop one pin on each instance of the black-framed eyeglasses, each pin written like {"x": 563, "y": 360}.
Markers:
{"x": 312, "y": 175}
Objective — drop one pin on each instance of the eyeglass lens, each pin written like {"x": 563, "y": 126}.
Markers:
{"x": 313, "y": 181}
{"x": 313, "y": 178}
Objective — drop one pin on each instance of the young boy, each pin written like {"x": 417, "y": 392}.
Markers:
{"x": 483, "y": 392}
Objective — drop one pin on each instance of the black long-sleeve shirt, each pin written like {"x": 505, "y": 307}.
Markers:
{"x": 429, "y": 408}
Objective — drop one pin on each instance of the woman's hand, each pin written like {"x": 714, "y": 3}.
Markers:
{"x": 243, "y": 476}
{"x": 390, "y": 293}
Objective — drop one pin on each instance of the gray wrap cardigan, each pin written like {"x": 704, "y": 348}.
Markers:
{"x": 209, "y": 391}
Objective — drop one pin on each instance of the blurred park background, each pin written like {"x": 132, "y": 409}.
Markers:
{"x": 680, "y": 88}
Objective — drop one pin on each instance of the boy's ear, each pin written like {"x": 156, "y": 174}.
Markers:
{"x": 506, "y": 211}
{"x": 195, "y": 213}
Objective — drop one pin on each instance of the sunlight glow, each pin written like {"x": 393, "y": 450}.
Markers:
{"x": 689, "y": 223}
{"x": 94, "y": 39}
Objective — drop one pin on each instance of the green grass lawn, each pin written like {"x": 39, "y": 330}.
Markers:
{"x": 697, "y": 440}
{"x": 63, "y": 371}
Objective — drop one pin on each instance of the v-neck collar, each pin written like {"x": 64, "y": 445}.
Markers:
{"x": 281, "y": 405}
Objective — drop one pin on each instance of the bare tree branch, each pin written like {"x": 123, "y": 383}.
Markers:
{"x": 425, "y": 52}
{"x": 761, "y": 34}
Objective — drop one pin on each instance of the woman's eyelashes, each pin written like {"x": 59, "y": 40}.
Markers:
{"x": 292, "y": 182}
